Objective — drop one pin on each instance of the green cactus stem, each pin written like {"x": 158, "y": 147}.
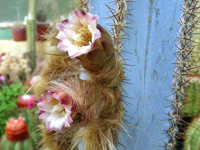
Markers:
{"x": 28, "y": 144}
{"x": 192, "y": 135}
{"x": 31, "y": 33}
{"x": 192, "y": 107}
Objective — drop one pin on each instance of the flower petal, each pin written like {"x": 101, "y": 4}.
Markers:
{"x": 61, "y": 46}
{"x": 79, "y": 13}
{"x": 61, "y": 35}
{"x": 73, "y": 51}
{"x": 59, "y": 26}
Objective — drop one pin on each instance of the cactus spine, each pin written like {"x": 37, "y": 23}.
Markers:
{"x": 188, "y": 23}
{"x": 152, "y": 20}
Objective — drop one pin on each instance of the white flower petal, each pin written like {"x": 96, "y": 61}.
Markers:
{"x": 85, "y": 49}
{"x": 73, "y": 51}
{"x": 75, "y": 21}
{"x": 91, "y": 29}
{"x": 67, "y": 42}
{"x": 61, "y": 46}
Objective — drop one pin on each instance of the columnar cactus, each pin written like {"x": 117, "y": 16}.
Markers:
{"x": 150, "y": 42}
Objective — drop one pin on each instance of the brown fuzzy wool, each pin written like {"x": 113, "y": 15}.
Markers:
{"x": 98, "y": 111}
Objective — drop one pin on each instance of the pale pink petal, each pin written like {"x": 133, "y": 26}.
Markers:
{"x": 73, "y": 19}
{"x": 68, "y": 122}
{"x": 93, "y": 21}
{"x": 45, "y": 106}
{"x": 61, "y": 35}
{"x": 61, "y": 46}
{"x": 87, "y": 19}
{"x": 43, "y": 115}
{"x": 96, "y": 35}
{"x": 34, "y": 80}
{"x": 68, "y": 32}
{"x": 59, "y": 26}
{"x": 84, "y": 21}
{"x": 73, "y": 51}
{"x": 85, "y": 49}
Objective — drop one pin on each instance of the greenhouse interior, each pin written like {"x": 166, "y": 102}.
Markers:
{"x": 99, "y": 75}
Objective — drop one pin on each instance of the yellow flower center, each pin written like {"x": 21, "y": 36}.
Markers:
{"x": 84, "y": 37}
{"x": 63, "y": 112}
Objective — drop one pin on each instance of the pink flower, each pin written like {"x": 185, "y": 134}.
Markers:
{"x": 2, "y": 78}
{"x": 78, "y": 33}
{"x": 30, "y": 104}
{"x": 55, "y": 111}
{"x": 2, "y": 57}
{"x": 25, "y": 100}
{"x": 34, "y": 80}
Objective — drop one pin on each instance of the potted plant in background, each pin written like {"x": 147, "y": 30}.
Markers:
{"x": 18, "y": 31}
{"x": 42, "y": 25}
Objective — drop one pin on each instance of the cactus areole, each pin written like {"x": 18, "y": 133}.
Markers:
{"x": 16, "y": 130}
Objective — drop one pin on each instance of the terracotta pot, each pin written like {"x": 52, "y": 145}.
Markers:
{"x": 19, "y": 34}
{"x": 16, "y": 130}
{"x": 42, "y": 30}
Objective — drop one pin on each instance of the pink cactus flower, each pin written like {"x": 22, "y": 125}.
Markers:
{"x": 55, "y": 111}
{"x": 78, "y": 33}
{"x": 25, "y": 100}
{"x": 81, "y": 37}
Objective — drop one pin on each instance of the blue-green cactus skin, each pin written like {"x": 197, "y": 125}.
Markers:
{"x": 151, "y": 44}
